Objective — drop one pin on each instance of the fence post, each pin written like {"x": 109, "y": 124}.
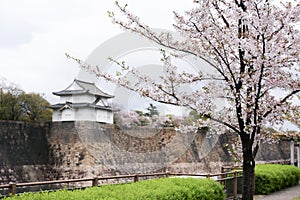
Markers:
{"x": 222, "y": 169}
{"x": 208, "y": 176}
{"x": 167, "y": 174}
{"x": 222, "y": 174}
{"x": 12, "y": 188}
{"x": 95, "y": 182}
{"x": 235, "y": 184}
{"x": 136, "y": 178}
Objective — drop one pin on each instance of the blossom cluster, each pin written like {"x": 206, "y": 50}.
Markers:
{"x": 253, "y": 48}
{"x": 130, "y": 119}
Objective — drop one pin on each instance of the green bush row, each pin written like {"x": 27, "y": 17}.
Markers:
{"x": 167, "y": 188}
{"x": 272, "y": 177}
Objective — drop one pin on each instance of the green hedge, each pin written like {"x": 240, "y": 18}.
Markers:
{"x": 167, "y": 188}
{"x": 271, "y": 177}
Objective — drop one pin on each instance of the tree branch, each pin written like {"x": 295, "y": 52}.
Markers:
{"x": 281, "y": 102}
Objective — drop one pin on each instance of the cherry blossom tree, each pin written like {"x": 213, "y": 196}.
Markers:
{"x": 294, "y": 116}
{"x": 253, "y": 46}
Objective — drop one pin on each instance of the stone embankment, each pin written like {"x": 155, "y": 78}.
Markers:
{"x": 67, "y": 150}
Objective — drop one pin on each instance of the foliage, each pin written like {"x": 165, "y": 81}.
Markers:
{"x": 153, "y": 119}
{"x": 35, "y": 107}
{"x": 16, "y": 105}
{"x": 10, "y": 108}
{"x": 169, "y": 188}
{"x": 270, "y": 177}
{"x": 152, "y": 111}
{"x": 139, "y": 118}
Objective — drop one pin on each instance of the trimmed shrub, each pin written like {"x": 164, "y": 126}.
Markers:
{"x": 274, "y": 177}
{"x": 162, "y": 189}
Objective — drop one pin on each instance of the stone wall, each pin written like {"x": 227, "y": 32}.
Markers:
{"x": 24, "y": 151}
{"x": 67, "y": 150}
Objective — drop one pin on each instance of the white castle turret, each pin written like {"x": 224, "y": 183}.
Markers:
{"x": 82, "y": 101}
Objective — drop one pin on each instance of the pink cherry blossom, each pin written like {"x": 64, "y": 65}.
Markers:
{"x": 253, "y": 45}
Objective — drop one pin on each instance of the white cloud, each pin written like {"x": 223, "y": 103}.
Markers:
{"x": 35, "y": 34}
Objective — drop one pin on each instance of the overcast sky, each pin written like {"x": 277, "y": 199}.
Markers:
{"x": 35, "y": 35}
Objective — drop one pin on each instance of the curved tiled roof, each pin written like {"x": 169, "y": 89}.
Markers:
{"x": 80, "y": 105}
{"x": 86, "y": 87}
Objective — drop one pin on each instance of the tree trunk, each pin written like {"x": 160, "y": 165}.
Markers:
{"x": 248, "y": 174}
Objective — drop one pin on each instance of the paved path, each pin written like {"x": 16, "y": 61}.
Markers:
{"x": 286, "y": 194}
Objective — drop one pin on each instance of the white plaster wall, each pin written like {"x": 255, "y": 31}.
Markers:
{"x": 104, "y": 116}
{"x": 67, "y": 115}
{"x": 64, "y": 99}
{"x": 85, "y": 114}
{"x": 110, "y": 117}
{"x": 56, "y": 116}
{"x": 86, "y": 98}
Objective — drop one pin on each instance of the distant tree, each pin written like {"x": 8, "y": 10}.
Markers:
{"x": 139, "y": 112}
{"x": 152, "y": 110}
{"x": 9, "y": 106}
{"x": 35, "y": 107}
{"x": 16, "y": 105}
{"x": 9, "y": 102}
